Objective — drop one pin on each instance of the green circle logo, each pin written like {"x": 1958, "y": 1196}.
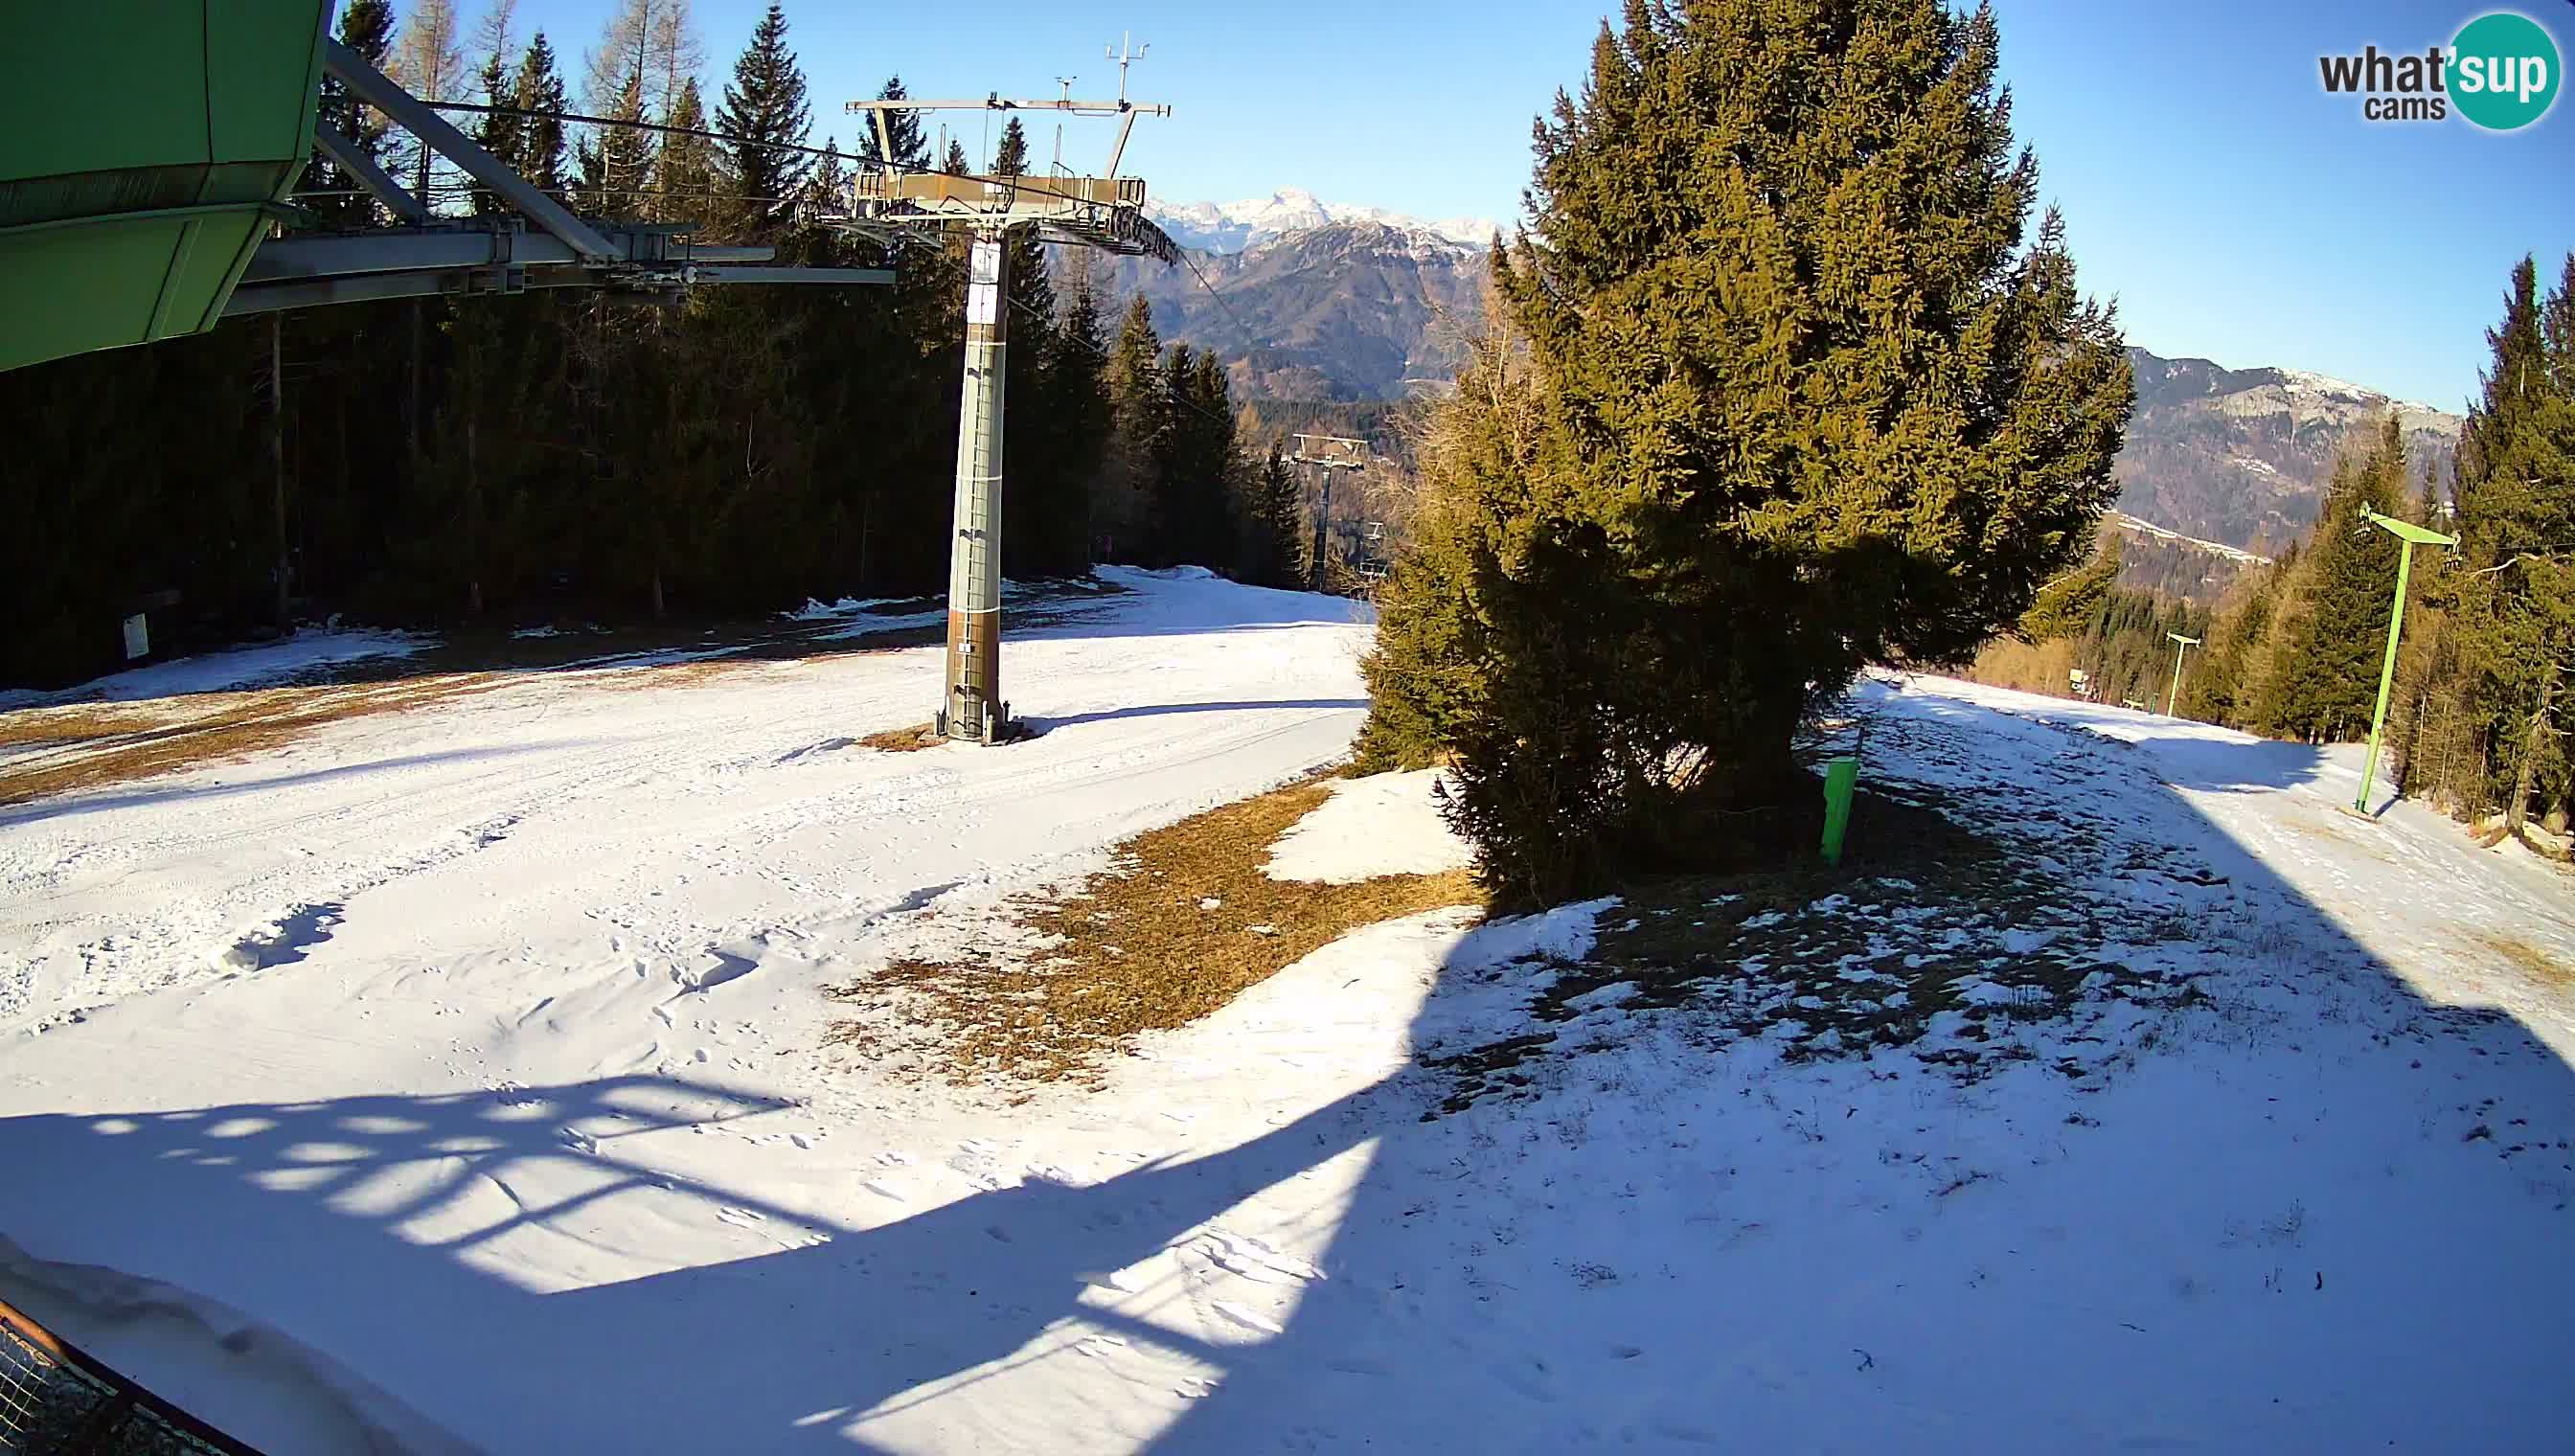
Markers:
{"x": 2503, "y": 70}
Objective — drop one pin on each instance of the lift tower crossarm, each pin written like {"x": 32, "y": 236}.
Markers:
{"x": 379, "y": 91}
{"x": 1013, "y": 103}
{"x": 370, "y": 175}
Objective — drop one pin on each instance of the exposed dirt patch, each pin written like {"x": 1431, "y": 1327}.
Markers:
{"x": 2531, "y": 961}
{"x": 50, "y": 751}
{"x": 910, "y": 740}
{"x": 1928, "y": 925}
{"x": 1184, "y": 922}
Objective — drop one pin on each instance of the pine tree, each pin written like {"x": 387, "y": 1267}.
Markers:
{"x": 903, "y": 128}
{"x": 2062, "y": 605}
{"x": 367, "y": 27}
{"x": 684, "y": 175}
{"x": 540, "y": 88}
{"x": 498, "y": 132}
{"x": 765, "y": 109}
{"x": 1011, "y": 157}
{"x": 957, "y": 164}
{"x": 1078, "y": 414}
{"x": 2516, "y": 498}
{"x": 1814, "y": 396}
{"x": 624, "y": 154}
{"x": 2324, "y": 684}
{"x": 1140, "y": 410}
{"x": 1274, "y": 525}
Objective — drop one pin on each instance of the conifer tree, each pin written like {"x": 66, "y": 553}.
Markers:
{"x": 956, "y": 165}
{"x": 683, "y": 174}
{"x": 498, "y": 132}
{"x": 625, "y": 154}
{"x": 2516, "y": 497}
{"x": 1076, "y": 396}
{"x": 765, "y": 108}
{"x": 2064, "y": 605}
{"x": 1274, "y": 525}
{"x": 911, "y": 147}
{"x": 2324, "y": 684}
{"x": 367, "y": 27}
{"x": 1815, "y": 396}
{"x": 1140, "y": 411}
{"x": 540, "y": 89}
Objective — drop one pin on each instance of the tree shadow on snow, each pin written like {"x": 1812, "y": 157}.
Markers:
{"x": 1553, "y": 1271}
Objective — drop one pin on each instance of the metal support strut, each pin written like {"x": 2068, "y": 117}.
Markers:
{"x": 972, "y": 708}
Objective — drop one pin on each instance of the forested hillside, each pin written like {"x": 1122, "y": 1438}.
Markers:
{"x": 523, "y": 456}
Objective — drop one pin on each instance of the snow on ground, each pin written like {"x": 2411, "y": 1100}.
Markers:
{"x": 1386, "y": 824}
{"x": 472, "y": 1053}
{"x": 284, "y": 660}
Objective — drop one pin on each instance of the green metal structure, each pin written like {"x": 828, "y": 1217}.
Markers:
{"x": 145, "y": 149}
{"x": 2413, "y": 536}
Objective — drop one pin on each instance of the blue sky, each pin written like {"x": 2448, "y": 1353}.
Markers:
{"x": 2236, "y": 211}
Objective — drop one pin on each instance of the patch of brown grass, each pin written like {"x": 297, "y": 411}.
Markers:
{"x": 2531, "y": 961}
{"x": 91, "y": 745}
{"x": 909, "y": 740}
{"x": 1133, "y": 949}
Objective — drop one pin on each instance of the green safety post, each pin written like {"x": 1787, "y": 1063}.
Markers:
{"x": 2181, "y": 648}
{"x": 2412, "y": 535}
{"x": 1840, "y": 775}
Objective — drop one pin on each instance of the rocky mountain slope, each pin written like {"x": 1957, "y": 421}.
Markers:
{"x": 1233, "y": 227}
{"x": 1318, "y": 302}
{"x": 2242, "y": 457}
{"x": 1350, "y": 310}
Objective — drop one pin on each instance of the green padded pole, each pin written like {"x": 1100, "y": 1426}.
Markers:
{"x": 1840, "y": 775}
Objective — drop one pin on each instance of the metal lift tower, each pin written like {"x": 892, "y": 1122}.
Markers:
{"x": 1327, "y": 453}
{"x": 1104, "y": 211}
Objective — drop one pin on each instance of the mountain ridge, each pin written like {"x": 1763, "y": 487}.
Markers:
{"x": 1377, "y": 307}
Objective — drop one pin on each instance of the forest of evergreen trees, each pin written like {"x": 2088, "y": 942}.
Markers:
{"x": 540, "y": 454}
{"x": 2294, "y": 649}
{"x": 2474, "y": 718}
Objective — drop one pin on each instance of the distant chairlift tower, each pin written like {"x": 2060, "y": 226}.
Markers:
{"x": 1327, "y": 453}
{"x": 1093, "y": 212}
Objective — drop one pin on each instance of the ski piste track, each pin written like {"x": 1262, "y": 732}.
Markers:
{"x": 462, "y": 1077}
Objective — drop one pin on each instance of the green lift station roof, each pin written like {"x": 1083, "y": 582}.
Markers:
{"x": 145, "y": 146}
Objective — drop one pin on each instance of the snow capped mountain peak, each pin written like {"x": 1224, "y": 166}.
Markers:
{"x": 1233, "y": 227}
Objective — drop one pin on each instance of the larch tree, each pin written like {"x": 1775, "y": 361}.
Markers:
{"x": 431, "y": 66}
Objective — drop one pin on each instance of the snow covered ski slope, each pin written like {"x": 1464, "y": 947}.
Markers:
{"x": 457, "y": 1079}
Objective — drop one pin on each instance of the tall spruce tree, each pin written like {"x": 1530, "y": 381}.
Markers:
{"x": 1140, "y": 411}
{"x": 956, "y": 164}
{"x": 2324, "y": 681}
{"x": 1274, "y": 525}
{"x": 625, "y": 153}
{"x": 1813, "y": 396}
{"x": 2516, "y": 489}
{"x": 367, "y": 27}
{"x": 540, "y": 89}
{"x": 1077, "y": 417}
{"x": 499, "y": 133}
{"x": 911, "y": 148}
{"x": 683, "y": 174}
{"x": 765, "y": 109}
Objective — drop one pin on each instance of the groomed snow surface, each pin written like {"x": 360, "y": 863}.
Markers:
{"x": 456, "y": 1079}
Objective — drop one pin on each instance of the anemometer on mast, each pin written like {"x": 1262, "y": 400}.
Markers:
{"x": 1106, "y": 212}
